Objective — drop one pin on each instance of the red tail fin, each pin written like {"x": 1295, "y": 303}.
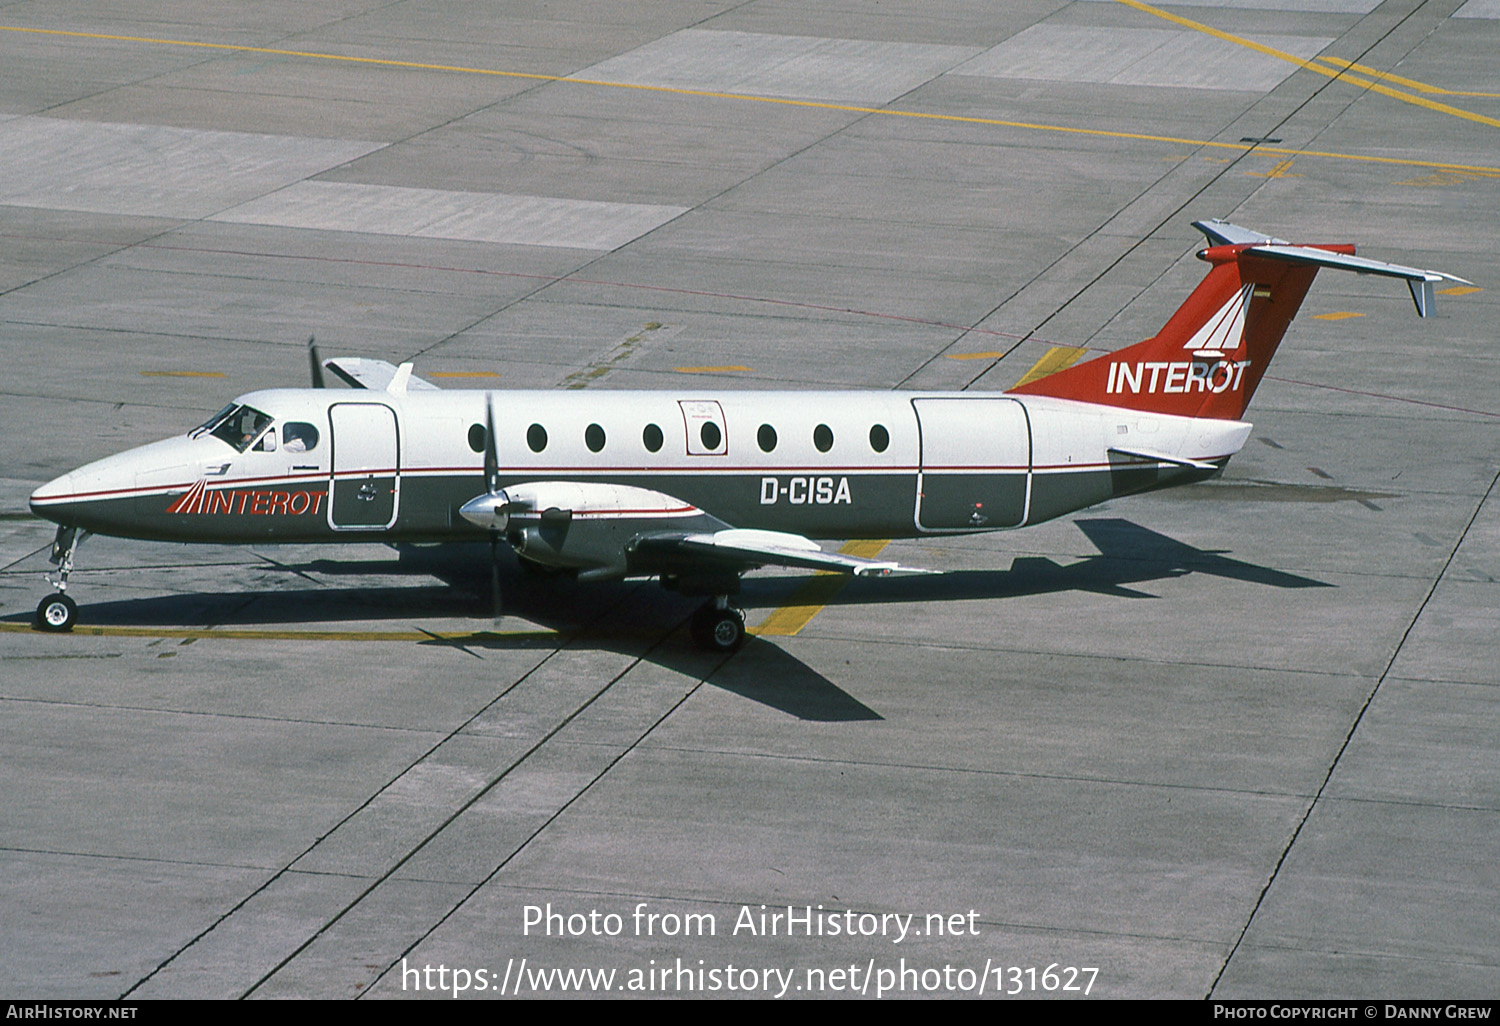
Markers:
{"x": 1208, "y": 359}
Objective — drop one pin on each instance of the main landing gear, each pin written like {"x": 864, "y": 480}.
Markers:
{"x": 718, "y": 626}
{"x": 58, "y": 612}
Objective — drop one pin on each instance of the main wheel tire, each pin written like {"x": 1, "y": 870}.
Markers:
{"x": 719, "y": 630}
{"x": 56, "y": 612}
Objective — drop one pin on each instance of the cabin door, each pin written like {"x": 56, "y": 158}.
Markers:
{"x": 976, "y": 464}
{"x": 364, "y": 488}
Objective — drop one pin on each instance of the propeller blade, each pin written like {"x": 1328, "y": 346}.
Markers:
{"x": 315, "y": 364}
{"x": 495, "y": 605}
{"x": 491, "y": 457}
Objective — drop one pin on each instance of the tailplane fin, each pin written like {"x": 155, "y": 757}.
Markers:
{"x": 1210, "y": 356}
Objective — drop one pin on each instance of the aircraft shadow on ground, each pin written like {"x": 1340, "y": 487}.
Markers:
{"x": 642, "y": 620}
{"x": 1128, "y": 555}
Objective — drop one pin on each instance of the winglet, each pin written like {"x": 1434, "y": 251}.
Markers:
{"x": 399, "y": 380}
{"x": 376, "y": 375}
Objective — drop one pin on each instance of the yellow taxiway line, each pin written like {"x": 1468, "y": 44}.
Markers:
{"x": 1099, "y": 133}
{"x": 1053, "y": 360}
{"x": 1410, "y": 83}
{"x": 1340, "y": 73}
{"x": 815, "y": 593}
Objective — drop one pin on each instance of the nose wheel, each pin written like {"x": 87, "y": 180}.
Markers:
{"x": 57, "y": 612}
{"x": 718, "y": 627}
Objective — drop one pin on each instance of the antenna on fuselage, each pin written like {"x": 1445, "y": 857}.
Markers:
{"x": 314, "y": 364}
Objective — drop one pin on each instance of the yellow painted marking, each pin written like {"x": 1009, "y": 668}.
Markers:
{"x": 1410, "y": 83}
{"x": 709, "y": 370}
{"x": 235, "y": 634}
{"x": 1341, "y": 315}
{"x": 462, "y": 374}
{"x": 1459, "y": 290}
{"x": 815, "y": 593}
{"x": 1442, "y": 178}
{"x": 183, "y": 374}
{"x": 1271, "y": 51}
{"x": 1053, "y": 360}
{"x": 816, "y": 105}
{"x": 973, "y": 356}
{"x": 1279, "y": 171}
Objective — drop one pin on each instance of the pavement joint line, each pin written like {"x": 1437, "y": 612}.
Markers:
{"x": 1410, "y": 83}
{"x": 117, "y": 857}
{"x": 930, "y": 646}
{"x": 164, "y": 711}
{"x": 976, "y": 771}
{"x": 1338, "y": 74}
{"x": 563, "y": 808}
{"x": 882, "y": 111}
{"x": 1411, "y": 803}
{"x": 354, "y": 812}
{"x": 463, "y": 806}
{"x": 1353, "y": 729}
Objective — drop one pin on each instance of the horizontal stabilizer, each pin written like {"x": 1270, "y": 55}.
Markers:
{"x": 1420, "y": 280}
{"x": 377, "y": 375}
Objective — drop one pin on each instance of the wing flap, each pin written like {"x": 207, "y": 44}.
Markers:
{"x": 778, "y": 548}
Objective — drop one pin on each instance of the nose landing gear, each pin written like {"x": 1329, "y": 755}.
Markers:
{"x": 58, "y": 612}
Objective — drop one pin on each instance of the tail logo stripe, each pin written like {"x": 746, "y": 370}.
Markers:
{"x": 1224, "y": 330}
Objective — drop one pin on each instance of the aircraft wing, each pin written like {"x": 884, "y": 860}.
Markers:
{"x": 753, "y": 548}
{"x": 376, "y": 375}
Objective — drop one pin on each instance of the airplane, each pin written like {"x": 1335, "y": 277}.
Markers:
{"x": 697, "y": 486}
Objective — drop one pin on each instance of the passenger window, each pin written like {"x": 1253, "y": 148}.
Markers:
{"x": 651, "y": 438}
{"x": 298, "y": 436}
{"x": 536, "y": 437}
{"x": 823, "y": 437}
{"x": 476, "y": 437}
{"x": 766, "y": 436}
{"x": 880, "y": 438}
{"x": 711, "y": 435}
{"x": 593, "y": 437}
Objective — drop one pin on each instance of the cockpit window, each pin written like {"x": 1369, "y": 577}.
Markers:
{"x": 213, "y": 421}
{"x": 241, "y": 427}
{"x": 298, "y": 436}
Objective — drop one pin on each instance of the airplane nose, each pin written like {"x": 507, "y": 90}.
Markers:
{"x": 45, "y": 500}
